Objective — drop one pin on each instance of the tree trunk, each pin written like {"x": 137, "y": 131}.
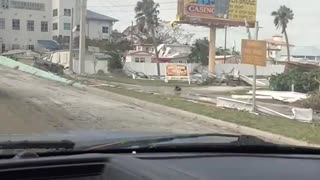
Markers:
{"x": 287, "y": 43}
{"x": 155, "y": 46}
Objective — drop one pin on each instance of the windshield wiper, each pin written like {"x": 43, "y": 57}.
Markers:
{"x": 64, "y": 144}
{"x": 152, "y": 142}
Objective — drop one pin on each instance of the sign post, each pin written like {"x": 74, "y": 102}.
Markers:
{"x": 212, "y": 50}
{"x": 254, "y": 52}
{"x": 254, "y": 87}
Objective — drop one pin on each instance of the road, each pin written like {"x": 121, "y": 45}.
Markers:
{"x": 29, "y": 104}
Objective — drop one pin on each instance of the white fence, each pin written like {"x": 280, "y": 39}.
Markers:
{"x": 90, "y": 67}
{"x": 150, "y": 69}
{"x": 247, "y": 70}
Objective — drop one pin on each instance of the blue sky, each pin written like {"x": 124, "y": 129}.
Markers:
{"x": 303, "y": 31}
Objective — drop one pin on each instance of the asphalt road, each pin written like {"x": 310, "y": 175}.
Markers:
{"x": 29, "y": 104}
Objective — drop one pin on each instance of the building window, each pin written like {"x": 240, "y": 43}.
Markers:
{"x": 30, "y": 25}
{"x": 67, "y": 12}
{"x": 31, "y": 47}
{"x": 67, "y": 26}
{"x": 66, "y": 39}
{"x": 5, "y": 4}
{"x": 105, "y": 29}
{"x": 28, "y": 5}
{"x": 15, "y": 24}
{"x": 55, "y": 12}
{"x": 2, "y": 23}
{"x": 44, "y": 26}
{"x": 311, "y": 58}
{"x": 139, "y": 60}
{"x": 15, "y": 46}
{"x": 3, "y": 48}
{"x": 55, "y": 26}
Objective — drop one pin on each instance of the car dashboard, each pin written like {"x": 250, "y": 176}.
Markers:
{"x": 164, "y": 166}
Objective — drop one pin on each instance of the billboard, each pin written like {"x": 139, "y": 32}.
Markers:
{"x": 177, "y": 72}
{"x": 254, "y": 52}
{"x": 217, "y": 12}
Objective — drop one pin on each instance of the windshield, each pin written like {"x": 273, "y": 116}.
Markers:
{"x": 111, "y": 71}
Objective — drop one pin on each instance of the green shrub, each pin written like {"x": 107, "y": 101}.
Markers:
{"x": 115, "y": 62}
{"x": 303, "y": 81}
{"x": 312, "y": 102}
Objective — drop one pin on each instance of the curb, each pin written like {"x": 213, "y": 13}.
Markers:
{"x": 267, "y": 136}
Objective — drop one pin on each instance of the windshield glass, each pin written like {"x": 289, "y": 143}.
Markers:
{"x": 103, "y": 71}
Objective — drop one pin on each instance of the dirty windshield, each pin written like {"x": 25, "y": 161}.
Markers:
{"x": 99, "y": 69}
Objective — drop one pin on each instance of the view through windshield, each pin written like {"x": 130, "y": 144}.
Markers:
{"x": 88, "y": 70}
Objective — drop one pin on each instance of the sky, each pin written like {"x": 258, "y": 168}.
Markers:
{"x": 304, "y": 30}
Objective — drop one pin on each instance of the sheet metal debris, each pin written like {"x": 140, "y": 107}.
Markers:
{"x": 283, "y": 96}
{"x": 303, "y": 115}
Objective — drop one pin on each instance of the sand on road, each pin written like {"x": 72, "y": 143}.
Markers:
{"x": 29, "y": 104}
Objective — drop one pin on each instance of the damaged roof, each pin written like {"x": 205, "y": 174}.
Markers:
{"x": 96, "y": 16}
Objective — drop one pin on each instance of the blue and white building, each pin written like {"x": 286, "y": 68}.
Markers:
{"x": 24, "y": 22}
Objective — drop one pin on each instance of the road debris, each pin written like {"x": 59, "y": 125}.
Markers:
{"x": 249, "y": 81}
{"x": 302, "y": 115}
{"x": 284, "y": 96}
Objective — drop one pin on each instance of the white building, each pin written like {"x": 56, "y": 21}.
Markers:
{"x": 24, "y": 22}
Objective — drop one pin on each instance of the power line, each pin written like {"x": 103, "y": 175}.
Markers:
{"x": 131, "y": 5}
{"x": 168, "y": 9}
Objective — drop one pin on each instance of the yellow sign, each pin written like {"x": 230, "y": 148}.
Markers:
{"x": 240, "y": 10}
{"x": 254, "y": 52}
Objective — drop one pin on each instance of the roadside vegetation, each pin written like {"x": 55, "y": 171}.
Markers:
{"x": 290, "y": 128}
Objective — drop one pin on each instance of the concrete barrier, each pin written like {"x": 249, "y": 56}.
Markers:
{"x": 37, "y": 72}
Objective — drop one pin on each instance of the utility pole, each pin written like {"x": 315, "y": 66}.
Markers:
{"x": 225, "y": 43}
{"x": 254, "y": 86}
{"x": 132, "y": 42}
{"x": 212, "y": 49}
{"x": 82, "y": 37}
{"x": 71, "y": 42}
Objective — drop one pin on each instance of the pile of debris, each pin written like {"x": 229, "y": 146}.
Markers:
{"x": 232, "y": 78}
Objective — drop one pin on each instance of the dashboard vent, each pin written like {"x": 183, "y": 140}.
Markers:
{"x": 54, "y": 172}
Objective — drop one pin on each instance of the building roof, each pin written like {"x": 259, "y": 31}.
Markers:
{"x": 49, "y": 44}
{"x": 303, "y": 51}
{"x": 96, "y": 16}
{"x": 139, "y": 53}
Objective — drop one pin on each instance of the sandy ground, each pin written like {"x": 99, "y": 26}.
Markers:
{"x": 29, "y": 104}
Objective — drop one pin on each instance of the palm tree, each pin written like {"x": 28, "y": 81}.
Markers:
{"x": 282, "y": 17}
{"x": 147, "y": 19}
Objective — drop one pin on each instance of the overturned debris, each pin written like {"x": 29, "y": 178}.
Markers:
{"x": 249, "y": 81}
{"x": 302, "y": 115}
{"x": 284, "y": 96}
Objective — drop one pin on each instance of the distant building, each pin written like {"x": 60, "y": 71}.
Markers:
{"x": 24, "y": 22}
{"x": 307, "y": 53}
{"x": 168, "y": 53}
{"x": 144, "y": 47}
{"x": 174, "y": 53}
{"x": 139, "y": 57}
{"x": 275, "y": 45}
